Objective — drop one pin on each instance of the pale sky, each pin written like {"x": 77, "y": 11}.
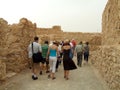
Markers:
{"x": 71, "y": 15}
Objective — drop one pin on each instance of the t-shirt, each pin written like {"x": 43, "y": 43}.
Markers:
{"x": 79, "y": 48}
{"x": 36, "y": 49}
{"x": 74, "y": 43}
{"x": 44, "y": 50}
{"x": 86, "y": 48}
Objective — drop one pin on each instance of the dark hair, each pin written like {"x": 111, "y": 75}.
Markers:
{"x": 80, "y": 42}
{"x": 66, "y": 43}
{"x": 36, "y": 38}
{"x": 87, "y": 43}
{"x": 46, "y": 42}
{"x": 55, "y": 43}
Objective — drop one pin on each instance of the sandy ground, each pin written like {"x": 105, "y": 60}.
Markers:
{"x": 83, "y": 78}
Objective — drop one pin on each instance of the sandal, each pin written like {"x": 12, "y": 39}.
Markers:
{"x": 67, "y": 78}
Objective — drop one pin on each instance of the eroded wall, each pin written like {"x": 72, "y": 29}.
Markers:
{"x": 14, "y": 40}
{"x": 106, "y": 58}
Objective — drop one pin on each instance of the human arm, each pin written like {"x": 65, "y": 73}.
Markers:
{"x": 58, "y": 53}
{"x": 48, "y": 52}
{"x": 75, "y": 53}
{"x": 40, "y": 48}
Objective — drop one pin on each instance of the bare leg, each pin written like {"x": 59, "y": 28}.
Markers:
{"x": 64, "y": 73}
{"x": 67, "y": 74}
{"x": 47, "y": 68}
{"x": 53, "y": 75}
{"x": 41, "y": 68}
{"x": 34, "y": 70}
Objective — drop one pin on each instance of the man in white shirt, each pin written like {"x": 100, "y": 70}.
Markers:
{"x": 33, "y": 49}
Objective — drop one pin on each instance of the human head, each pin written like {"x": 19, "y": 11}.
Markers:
{"x": 80, "y": 42}
{"x": 55, "y": 43}
{"x": 36, "y": 38}
{"x": 87, "y": 43}
{"x": 46, "y": 42}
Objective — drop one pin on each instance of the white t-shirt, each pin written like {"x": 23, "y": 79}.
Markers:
{"x": 36, "y": 48}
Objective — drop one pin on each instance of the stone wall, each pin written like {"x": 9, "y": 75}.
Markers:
{"x": 14, "y": 40}
{"x": 55, "y": 33}
{"x": 106, "y": 58}
{"x": 111, "y": 23}
{"x": 2, "y": 70}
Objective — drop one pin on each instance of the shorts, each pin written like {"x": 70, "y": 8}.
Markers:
{"x": 45, "y": 61}
{"x": 37, "y": 57}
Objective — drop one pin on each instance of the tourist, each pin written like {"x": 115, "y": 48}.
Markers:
{"x": 59, "y": 58}
{"x": 44, "y": 54}
{"x": 79, "y": 53}
{"x": 71, "y": 50}
{"x": 34, "y": 50}
{"x": 52, "y": 53}
{"x": 86, "y": 51}
{"x": 68, "y": 63}
{"x": 74, "y": 45}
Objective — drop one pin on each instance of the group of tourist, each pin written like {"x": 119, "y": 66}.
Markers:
{"x": 82, "y": 50}
{"x": 51, "y": 55}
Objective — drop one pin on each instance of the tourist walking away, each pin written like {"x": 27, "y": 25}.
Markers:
{"x": 74, "y": 44}
{"x": 79, "y": 53}
{"x": 60, "y": 46}
{"x": 68, "y": 63}
{"x": 86, "y": 52}
{"x": 52, "y": 53}
{"x": 44, "y": 54}
{"x": 34, "y": 51}
{"x": 59, "y": 58}
{"x": 71, "y": 50}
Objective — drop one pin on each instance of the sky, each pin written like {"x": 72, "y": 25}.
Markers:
{"x": 71, "y": 15}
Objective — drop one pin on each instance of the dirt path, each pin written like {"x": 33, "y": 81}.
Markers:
{"x": 83, "y": 78}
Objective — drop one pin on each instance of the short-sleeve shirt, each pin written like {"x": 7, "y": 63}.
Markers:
{"x": 79, "y": 48}
{"x": 44, "y": 50}
{"x": 36, "y": 49}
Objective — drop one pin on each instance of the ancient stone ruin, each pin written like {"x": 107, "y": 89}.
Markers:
{"x": 105, "y": 46}
{"x": 13, "y": 42}
{"x": 111, "y": 23}
{"x": 108, "y": 62}
{"x": 15, "y": 39}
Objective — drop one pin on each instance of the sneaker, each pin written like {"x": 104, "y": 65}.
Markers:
{"x": 30, "y": 67}
{"x": 53, "y": 78}
{"x": 64, "y": 76}
{"x": 40, "y": 72}
{"x": 49, "y": 76}
{"x": 67, "y": 78}
{"x": 47, "y": 71}
{"x": 34, "y": 78}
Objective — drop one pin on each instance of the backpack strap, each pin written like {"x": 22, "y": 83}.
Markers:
{"x": 32, "y": 48}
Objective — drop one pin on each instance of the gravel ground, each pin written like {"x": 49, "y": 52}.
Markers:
{"x": 83, "y": 78}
